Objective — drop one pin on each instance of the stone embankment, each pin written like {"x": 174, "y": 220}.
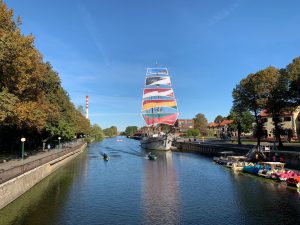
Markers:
{"x": 16, "y": 180}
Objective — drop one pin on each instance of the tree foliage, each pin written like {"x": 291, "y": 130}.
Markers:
{"x": 200, "y": 122}
{"x": 33, "y": 103}
{"x": 96, "y": 132}
{"x": 192, "y": 133}
{"x": 252, "y": 94}
{"x": 130, "y": 130}
{"x": 218, "y": 119}
{"x": 110, "y": 132}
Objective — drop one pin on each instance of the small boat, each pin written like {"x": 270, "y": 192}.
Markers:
{"x": 253, "y": 169}
{"x": 151, "y": 156}
{"x": 223, "y": 159}
{"x": 237, "y": 163}
{"x": 293, "y": 182}
{"x": 119, "y": 140}
{"x": 270, "y": 168}
{"x": 105, "y": 157}
{"x": 283, "y": 176}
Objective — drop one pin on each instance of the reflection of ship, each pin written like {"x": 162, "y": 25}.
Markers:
{"x": 161, "y": 197}
{"x": 159, "y": 107}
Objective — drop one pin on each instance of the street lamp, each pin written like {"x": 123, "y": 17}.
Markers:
{"x": 23, "y": 140}
{"x": 59, "y": 142}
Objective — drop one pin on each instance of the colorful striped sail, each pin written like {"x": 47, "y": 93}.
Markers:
{"x": 157, "y": 118}
{"x": 157, "y": 71}
{"x": 158, "y": 80}
{"x": 150, "y": 104}
{"x": 158, "y": 92}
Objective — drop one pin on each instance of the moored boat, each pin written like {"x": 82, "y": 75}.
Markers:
{"x": 236, "y": 163}
{"x": 269, "y": 168}
{"x": 223, "y": 158}
{"x": 293, "y": 182}
{"x": 252, "y": 169}
{"x": 284, "y": 175}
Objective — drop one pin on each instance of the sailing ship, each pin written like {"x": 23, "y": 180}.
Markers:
{"x": 159, "y": 107}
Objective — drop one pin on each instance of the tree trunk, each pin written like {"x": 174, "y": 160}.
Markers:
{"x": 239, "y": 133}
{"x": 277, "y": 129}
{"x": 258, "y": 128}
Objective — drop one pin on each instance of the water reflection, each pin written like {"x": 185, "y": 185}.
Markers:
{"x": 43, "y": 203}
{"x": 161, "y": 199}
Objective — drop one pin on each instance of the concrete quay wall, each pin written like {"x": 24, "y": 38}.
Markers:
{"x": 290, "y": 158}
{"x": 210, "y": 149}
{"x": 14, "y": 188}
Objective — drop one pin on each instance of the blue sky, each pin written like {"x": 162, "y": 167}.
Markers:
{"x": 102, "y": 48}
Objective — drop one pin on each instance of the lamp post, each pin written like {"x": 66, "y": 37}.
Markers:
{"x": 23, "y": 140}
{"x": 59, "y": 142}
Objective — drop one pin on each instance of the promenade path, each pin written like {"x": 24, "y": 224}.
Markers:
{"x": 19, "y": 162}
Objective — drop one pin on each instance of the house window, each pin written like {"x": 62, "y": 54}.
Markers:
{"x": 287, "y": 118}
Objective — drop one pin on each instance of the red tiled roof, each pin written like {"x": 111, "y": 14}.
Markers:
{"x": 213, "y": 124}
{"x": 264, "y": 113}
{"x": 226, "y": 122}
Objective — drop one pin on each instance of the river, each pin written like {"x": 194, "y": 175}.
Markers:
{"x": 177, "y": 188}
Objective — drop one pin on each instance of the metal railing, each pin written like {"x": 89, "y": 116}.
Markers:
{"x": 58, "y": 152}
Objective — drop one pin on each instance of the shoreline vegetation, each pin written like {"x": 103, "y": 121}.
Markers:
{"x": 33, "y": 103}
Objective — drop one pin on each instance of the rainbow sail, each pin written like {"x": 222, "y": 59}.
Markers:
{"x": 159, "y": 105}
{"x": 150, "y": 104}
{"x": 165, "y": 118}
{"x": 161, "y": 92}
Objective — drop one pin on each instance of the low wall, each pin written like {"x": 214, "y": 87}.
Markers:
{"x": 210, "y": 149}
{"x": 14, "y": 188}
{"x": 290, "y": 158}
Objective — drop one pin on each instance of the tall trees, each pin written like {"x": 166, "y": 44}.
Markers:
{"x": 200, "y": 122}
{"x": 110, "y": 132}
{"x": 293, "y": 74}
{"x": 242, "y": 121}
{"x": 96, "y": 132}
{"x": 252, "y": 94}
{"x": 32, "y": 101}
{"x": 130, "y": 130}
{"x": 218, "y": 119}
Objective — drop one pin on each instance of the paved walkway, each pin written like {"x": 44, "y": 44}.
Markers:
{"x": 18, "y": 162}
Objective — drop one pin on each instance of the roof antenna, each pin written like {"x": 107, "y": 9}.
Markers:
{"x": 156, "y": 64}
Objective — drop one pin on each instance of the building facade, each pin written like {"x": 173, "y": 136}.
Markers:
{"x": 184, "y": 124}
{"x": 220, "y": 129}
{"x": 290, "y": 121}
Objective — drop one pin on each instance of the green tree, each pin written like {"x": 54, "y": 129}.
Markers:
{"x": 293, "y": 73}
{"x": 130, "y": 130}
{"x": 252, "y": 94}
{"x": 110, "y": 132}
{"x": 278, "y": 103}
{"x": 33, "y": 103}
{"x": 242, "y": 121}
{"x": 218, "y": 119}
{"x": 200, "y": 123}
{"x": 192, "y": 133}
{"x": 96, "y": 132}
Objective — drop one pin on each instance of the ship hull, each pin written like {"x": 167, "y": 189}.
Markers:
{"x": 162, "y": 143}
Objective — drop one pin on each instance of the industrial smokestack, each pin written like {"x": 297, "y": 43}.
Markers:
{"x": 87, "y": 107}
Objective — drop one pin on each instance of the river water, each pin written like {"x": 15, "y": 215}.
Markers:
{"x": 177, "y": 188}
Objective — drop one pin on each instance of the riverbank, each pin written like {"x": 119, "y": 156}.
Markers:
{"x": 290, "y": 158}
{"x": 18, "y": 176}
